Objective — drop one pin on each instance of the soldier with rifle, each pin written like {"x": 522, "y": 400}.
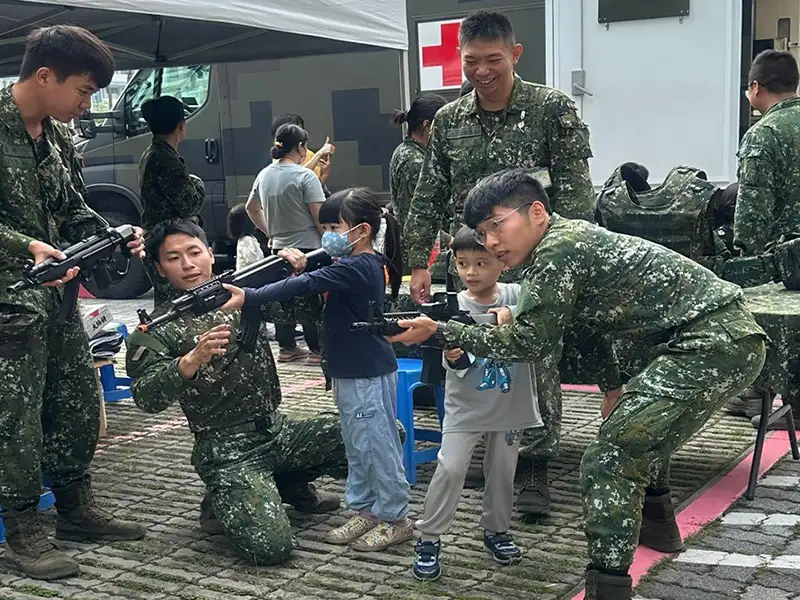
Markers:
{"x": 250, "y": 456}
{"x": 49, "y": 404}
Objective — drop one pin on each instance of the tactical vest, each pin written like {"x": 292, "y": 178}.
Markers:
{"x": 679, "y": 214}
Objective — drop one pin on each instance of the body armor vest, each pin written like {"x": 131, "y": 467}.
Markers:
{"x": 679, "y": 214}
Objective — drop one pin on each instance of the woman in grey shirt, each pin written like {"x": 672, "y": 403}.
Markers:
{"x": 284, "y": 203}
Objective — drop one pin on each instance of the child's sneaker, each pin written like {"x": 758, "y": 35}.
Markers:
{"x": 426, "y": 561}
{"x": 350, "y": 531}
{"x": 296, "y": 353}
{"x": 502, "y": 548}
{"x": 383, "y": 536}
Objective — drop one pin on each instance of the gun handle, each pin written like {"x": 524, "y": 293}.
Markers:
{"x": 69, "y": 302}
{"x": 249, "y": 328}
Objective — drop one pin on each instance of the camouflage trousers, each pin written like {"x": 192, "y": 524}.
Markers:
{"x": 49, "y": 404}
{"x": 245, "y": 474}
{"x": 692, "y": 376}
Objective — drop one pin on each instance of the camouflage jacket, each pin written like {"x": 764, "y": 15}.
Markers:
{"x": 404, "y": 171}
{"x": 168, "y": 191}
{"x": 614, "y": 285}
{"x": 768, "y": 203}
{"x": 234, "y": 388}
{"x": 540, "y": 129}
{"x": 38, "y": 200}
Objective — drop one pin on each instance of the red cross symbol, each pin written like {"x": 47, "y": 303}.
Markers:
{"x": 445, "y": 55}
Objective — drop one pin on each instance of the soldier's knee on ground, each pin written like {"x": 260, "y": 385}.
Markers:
{"x": 267, "y": 550}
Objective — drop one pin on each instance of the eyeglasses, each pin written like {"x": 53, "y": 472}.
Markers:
{"x": 494, "y": 226}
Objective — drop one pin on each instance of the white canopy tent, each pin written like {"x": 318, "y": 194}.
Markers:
{"x": 144, "y": 33}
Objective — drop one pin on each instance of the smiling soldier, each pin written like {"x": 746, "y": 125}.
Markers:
{"x": 504, "y": 122}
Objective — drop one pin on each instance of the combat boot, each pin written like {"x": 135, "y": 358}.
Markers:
{"x": 534, "y": 498}
{"x": 602, "y": 586}
{"x": 29, "y": 549}
{"x": 659, "y": 528}
{"x": 748, "y": 404}
{"x": 80, "y": 519}
{"x": 308, "y": 499}
{"x": 208, "y": 519}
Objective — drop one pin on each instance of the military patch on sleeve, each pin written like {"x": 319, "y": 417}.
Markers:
{"x": 140, "y": 352}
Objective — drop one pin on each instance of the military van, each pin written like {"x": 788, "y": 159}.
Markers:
{"x": 347, "y": 97}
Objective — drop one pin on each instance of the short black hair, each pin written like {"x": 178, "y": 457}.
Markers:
{"x": 159, "y": 233}
{"x": 512, "y": 188}
{"x": 775, "y": 70}
{"x": 68, "y": 50}
{"x": 424, "y": 108}
{"x": 465, "y": 239}
{"x": 239, "y": 223}
{"x": 288, "y": 138}
{"x": 487, "y": 25}
{"x": 163, "y": 114}
{"x": 466, "y": 88}
{"x": 289, "y": 119}
{"x": 330, "y": 209}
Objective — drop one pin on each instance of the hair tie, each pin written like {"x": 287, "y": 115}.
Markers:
{"x": 278, "y": 144}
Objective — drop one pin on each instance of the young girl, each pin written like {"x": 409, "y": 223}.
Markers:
{"x": 242, "y": 229}
{"x": 363, "y": 368}
{"x": 387, "y": 240}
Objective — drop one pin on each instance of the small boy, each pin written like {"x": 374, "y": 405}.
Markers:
{"x": 489, "y": 400}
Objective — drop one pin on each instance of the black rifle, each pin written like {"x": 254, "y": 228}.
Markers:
{"x": 210, "y": 295}
{"x": 91, "y": 256}
{"x": 444, "y": 307}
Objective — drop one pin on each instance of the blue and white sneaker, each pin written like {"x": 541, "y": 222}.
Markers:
{"x": 426, "y": 561}
{"x": 502, "y": 548}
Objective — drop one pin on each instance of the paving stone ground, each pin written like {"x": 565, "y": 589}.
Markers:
{"x": 142, "y": 472}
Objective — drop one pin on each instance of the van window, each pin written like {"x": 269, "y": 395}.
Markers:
{"x": 189, "y": 84}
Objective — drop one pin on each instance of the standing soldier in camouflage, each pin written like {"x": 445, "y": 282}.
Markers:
{"x": 709, "y": 349}
{"x": 250, "y": 456}
{"x": 49, "y": 405}
{"x": 168, "y": 190}
{"x": 768, "y": 200}
{"x": 406, "y": 162}
{"x": 505, "y": 122}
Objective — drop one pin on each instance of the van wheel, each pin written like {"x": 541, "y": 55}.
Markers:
{"x": 135, "y": 281}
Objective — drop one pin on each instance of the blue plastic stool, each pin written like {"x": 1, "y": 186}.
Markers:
{"x": 115, "y": 388}
{"x": 46, "y": 500}
{"x": 409, "y": 371}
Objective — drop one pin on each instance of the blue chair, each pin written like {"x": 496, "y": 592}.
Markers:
{"x": 46, "y": 500}
{"x": 409, "y": 371}
{"x": 115, "y": 388}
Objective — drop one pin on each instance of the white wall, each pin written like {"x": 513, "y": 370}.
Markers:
{"x": 665, "y": 93}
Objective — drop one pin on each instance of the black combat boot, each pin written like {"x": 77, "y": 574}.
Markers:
{"x": 602, "y": 586}
{"x": 534, "y": 498}
{"x": 308, "y": 499}
{"x": 80, "y": 519}
{"x": 659, "y": 528}
{"x": 208, "y": 519}
{"x": 29, "y": 549}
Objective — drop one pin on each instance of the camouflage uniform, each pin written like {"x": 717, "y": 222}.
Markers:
{"x": 49, "y": 406}
{"x": 404, "y": 168}
{"x": 168, "y": 191}
{"x": 539, "y": 129}
{"x": 708, "y": 348}
{"x": 246, "y": 452}
{"x": 768, "y": 202}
